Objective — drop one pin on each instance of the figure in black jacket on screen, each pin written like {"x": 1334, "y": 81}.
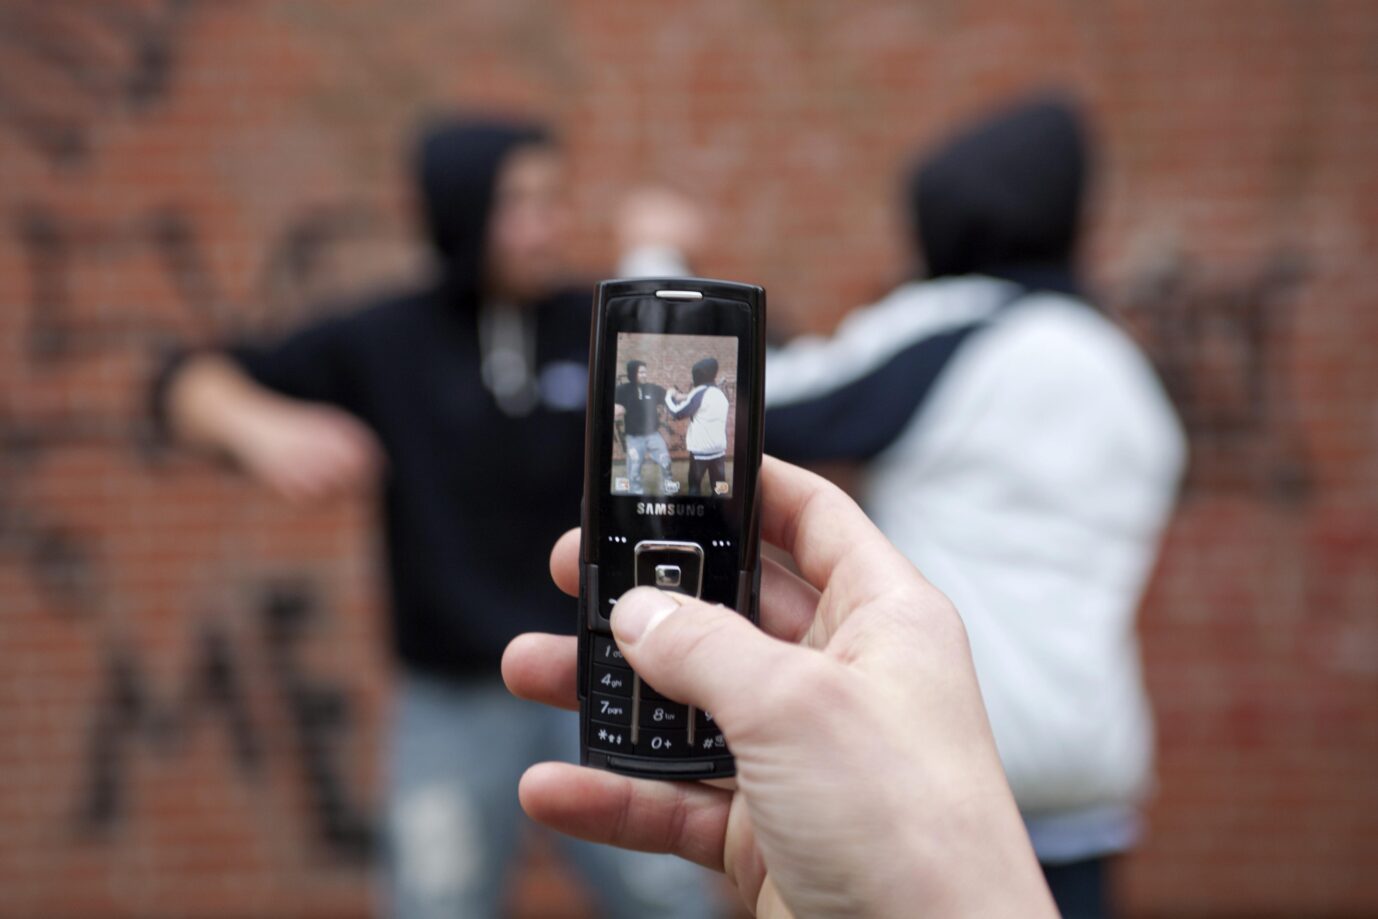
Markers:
{"x": 464, "y": 399}
{"x": 638, "y": 403}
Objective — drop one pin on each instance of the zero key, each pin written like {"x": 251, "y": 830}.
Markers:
{"x": 663, "y": 743}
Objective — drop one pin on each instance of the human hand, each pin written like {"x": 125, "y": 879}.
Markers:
{"x": 656, "y": 216}
{"x": 867, "y": 779}
{"x": 304, "y": 451}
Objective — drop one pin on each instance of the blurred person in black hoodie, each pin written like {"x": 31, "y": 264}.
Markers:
{"x": 465, "y": 397}
{"x": 1017, "y": 447}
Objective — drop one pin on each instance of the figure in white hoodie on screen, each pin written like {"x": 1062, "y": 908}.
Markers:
{"x": 706, "y": 407}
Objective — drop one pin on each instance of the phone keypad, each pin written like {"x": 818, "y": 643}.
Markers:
{"x": 626, "y": 716}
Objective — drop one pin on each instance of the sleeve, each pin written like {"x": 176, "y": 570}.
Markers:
{"x": 688, "y": 407}
{"x": 822, "y": 405}
{"x": 652, "y": 262}
{"x": 314, "y": 363}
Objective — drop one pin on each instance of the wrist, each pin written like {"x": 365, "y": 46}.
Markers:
{"x": 978, "y": 864}
{"x": 214, "y": 406}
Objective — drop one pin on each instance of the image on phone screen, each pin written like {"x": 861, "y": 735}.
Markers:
{"x": 674, "y": 415}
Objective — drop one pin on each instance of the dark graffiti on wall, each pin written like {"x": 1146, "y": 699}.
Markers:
{"x": 63, "y": 66}
{"x": 65, "y": 70}
{"x": 65, "y": 567}
{"x": 296, "y": 265}
{"x": 1220, "y": 341}
{"x": 131, "y": 719}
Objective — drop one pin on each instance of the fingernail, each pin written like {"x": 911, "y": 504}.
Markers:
{"x": 638, "y": 611}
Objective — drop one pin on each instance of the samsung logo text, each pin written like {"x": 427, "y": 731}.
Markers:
{"x": 667, "y": 509}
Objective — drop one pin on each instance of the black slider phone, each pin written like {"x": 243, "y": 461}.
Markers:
{"x": 672, "y": 459}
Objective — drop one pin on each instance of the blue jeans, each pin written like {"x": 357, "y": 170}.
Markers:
{"x": 454, "y": 824}
{"x": 642, "y": 447}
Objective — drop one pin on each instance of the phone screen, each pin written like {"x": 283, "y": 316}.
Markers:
{"x": 674, "y": 415}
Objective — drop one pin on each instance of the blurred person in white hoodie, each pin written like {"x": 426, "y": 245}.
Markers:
{"x": 1019, "y": 449}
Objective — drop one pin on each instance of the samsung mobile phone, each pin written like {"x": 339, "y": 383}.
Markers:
{"x": 672, "y": 458}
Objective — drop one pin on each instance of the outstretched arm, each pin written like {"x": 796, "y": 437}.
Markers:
{"x": 686, "y": 408}
{"x": 304, "y": 451}
{"x": 659, "y": 233}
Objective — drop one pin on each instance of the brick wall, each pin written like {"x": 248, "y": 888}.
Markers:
{"x": 194, "y": 688}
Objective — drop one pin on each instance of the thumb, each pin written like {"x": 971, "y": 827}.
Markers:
{"x": 701, "y": 654}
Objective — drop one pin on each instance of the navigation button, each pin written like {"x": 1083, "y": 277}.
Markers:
{"x": 669, "y": 565}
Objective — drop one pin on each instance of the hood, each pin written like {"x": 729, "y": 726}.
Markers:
{"x": 457, "y": 163}
{"x": 1003, "y": 197}
{"x": 705, "y": 371}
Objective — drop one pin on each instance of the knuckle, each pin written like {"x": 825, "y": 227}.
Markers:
{"x": 785, "y": 692}
{"x": 924, "y": 618}
{"x": 696, "y": 632}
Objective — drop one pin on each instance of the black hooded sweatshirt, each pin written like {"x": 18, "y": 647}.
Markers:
{"x": 473, "y": 498}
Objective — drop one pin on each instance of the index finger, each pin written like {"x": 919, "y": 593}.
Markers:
{"x": 812, "y": 519}
{"x": 828, "y": 535}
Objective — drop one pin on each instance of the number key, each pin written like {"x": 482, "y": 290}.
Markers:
{"x": 663, "y": 714}
{"x": 663, "y": 744}
{"x": 605, "y": 651}
{"x": 612, "y": 680}
{"x": 610, "y": 709}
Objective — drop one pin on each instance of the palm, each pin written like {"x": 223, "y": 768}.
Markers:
{"x": 884, "y": 694}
